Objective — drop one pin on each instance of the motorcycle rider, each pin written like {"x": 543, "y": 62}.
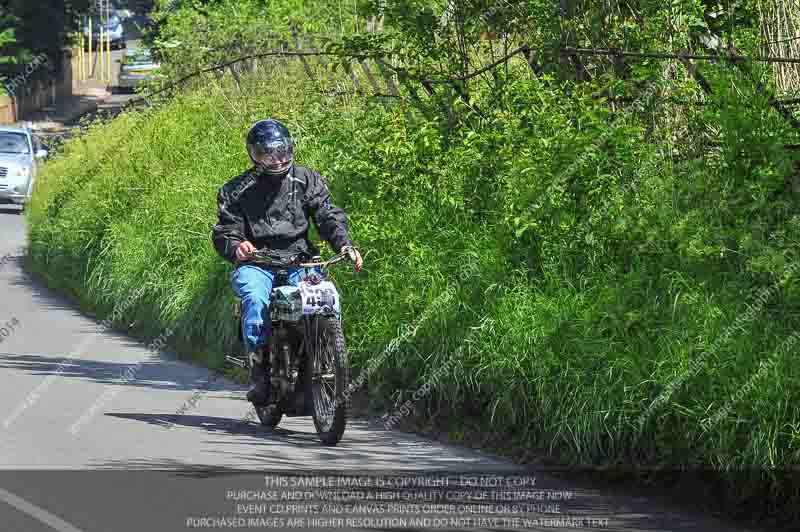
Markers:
{"x": 268, "y": 207}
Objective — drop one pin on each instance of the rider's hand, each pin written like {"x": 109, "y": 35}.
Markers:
{"x": 244, "y": 250}
{"x": 355, "y": 256}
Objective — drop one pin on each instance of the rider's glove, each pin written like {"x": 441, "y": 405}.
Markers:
{"x": 355, "y": 256}
{"x": 351, "y": 252}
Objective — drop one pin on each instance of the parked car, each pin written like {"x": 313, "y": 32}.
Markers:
{"x": 114, "y": 28}
{"x": 138, "y": 65}
{"x": 20, "y": 154}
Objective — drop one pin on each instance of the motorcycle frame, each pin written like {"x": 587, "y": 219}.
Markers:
{"x": 289, "y": 361}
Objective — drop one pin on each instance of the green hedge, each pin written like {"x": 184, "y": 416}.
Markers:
{"x": 579, "y": 265}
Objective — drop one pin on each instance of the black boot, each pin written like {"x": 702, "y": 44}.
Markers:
{"x": 259, "y": 390}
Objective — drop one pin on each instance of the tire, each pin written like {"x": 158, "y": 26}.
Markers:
{"x": 270, "y": 415}
{"x": 327, "y": 344}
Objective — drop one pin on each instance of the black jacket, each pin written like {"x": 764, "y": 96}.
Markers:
{"x": 273, "y": 213}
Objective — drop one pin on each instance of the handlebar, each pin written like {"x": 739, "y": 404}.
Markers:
{"x": 262, "y": 258}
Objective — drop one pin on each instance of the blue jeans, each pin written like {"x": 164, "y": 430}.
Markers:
{"x": 253, "y": 285}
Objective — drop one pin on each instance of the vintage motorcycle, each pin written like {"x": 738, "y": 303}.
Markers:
{"x": 308, "y": 369}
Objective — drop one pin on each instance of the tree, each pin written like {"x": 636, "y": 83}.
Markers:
{"x": 32, "y": 29}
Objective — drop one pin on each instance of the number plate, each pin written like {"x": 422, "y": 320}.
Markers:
{"x": 319, "y": 298}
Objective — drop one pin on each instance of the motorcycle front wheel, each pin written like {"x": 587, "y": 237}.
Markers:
{"x": 330, "y": 376}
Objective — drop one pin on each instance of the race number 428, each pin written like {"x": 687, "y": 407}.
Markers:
{"x": 317, "y": 297}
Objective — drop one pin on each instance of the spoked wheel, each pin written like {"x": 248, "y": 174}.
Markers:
{"x": 330, "y": 376}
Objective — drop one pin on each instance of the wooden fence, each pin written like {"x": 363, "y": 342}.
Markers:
{"x": 35, "y": 94}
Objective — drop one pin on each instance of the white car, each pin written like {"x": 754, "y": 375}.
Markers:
{"x": 20, "y": 153}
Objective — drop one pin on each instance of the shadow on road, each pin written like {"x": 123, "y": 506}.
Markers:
{"x": 53, "y": 118}
{"x": 37, "y": 290}
{"x": 156, "y": 373}
{"x": 251, "y": 427}
{"x": 295, "y": 445}
{"x": 216, "y": 425}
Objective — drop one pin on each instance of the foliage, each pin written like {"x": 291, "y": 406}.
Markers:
{"x": 6, "y": 37}
{"x": 191, "y": 35}
{"x": 30, "y": 29}
{"x": 585, "y": 261}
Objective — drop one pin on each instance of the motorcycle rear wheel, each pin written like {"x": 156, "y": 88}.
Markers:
{"x": 269, "y": 415}
{"x": 330, "y": 377}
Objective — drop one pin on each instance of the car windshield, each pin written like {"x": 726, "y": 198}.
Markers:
{"x": 13, "y": 142}
{"x": 139, "y": 57}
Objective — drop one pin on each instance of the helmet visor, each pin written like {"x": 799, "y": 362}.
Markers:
{"x": 274, "y": 155}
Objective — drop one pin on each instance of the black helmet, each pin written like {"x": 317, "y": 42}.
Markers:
{"x": 271, "y": 146}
